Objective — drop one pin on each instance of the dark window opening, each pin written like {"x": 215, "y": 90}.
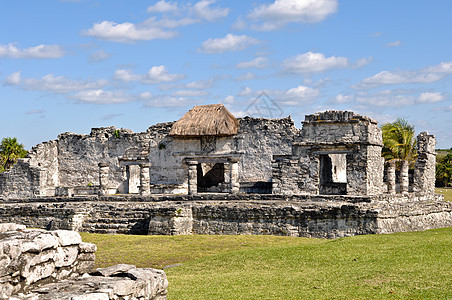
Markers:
{"x": 211, "y": 177}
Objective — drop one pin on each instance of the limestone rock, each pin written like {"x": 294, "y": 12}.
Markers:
{"x": 67, "y": 238}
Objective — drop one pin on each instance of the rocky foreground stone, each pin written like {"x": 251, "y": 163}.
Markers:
{"x": 39, "y": 264}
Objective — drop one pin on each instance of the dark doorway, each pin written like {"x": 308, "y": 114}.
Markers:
{"x": 332, "y": 175}
{"x": 211, "y": 177}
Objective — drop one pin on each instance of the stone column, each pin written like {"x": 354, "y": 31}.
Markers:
{"x": 144, "y": 179}
{"x": 103, "y": 179}
{"x": 234, "y": 175}
{"x": 391, "y": 177}
{"x": 192, "y": 177}
{"x": 404, "y": 183}
{"x": 424, "y": 168}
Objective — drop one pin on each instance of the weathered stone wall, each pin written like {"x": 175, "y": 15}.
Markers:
{"x": 23, "y": 180}
{"x": 31, "y": 256}
{"x": 72, "y": 160}
{"x": 255, "y": 143}
{"x": 79, "y": 155}
{"x": 323, "y": 134}
{"x": 259, "y": 139}
{"x": 311, "y": 216}
{"x": 424, "y": 169}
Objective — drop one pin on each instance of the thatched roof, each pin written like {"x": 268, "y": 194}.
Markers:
{"x": 213, "y": 120}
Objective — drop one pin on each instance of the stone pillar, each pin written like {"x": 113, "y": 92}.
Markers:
{"x": 234, "y": 175}
{"x": 103, "y": 179}
{"x": 424, "y": 168}
{"x": 192, "y": 177}
{"x": 144, "y": 179}
{"x": 391, "y": 177}
{"x": 404, "y": 183}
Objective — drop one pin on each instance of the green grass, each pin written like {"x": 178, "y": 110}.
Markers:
{"x": 447, "y": 192}
{"x": 415, "y": 265}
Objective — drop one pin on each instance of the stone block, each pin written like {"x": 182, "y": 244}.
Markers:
{"x": 65, "y": 256}
{"x": 67, "y": 238}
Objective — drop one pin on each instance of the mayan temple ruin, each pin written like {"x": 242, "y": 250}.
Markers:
{"x": 210, "y": 173}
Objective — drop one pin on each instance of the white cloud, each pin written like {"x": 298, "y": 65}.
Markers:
{"x": 127, "y": 32}
{"x": 197, "y": 85}
{"x": 312, "y": 62}
{"x": 98, "y": 56}
{"x": 394, "y": 44}
{"x": 425, "y": 75}
{"x": 246, "y": 91}
{"x": 60, "y": 84}
{"x": 281, "y": 12}
{"x": 391, "y": 98}
{"x": 203, "y": 10}
{"x": 156, "y": 74}
{"x": 387, "y": 77}
{"x": 165, "y": 100}
{"x": 228, "y": 100}
{"x": 296, "y": 95}
{"x": 340, "y": 99}
{"x": 153, "y": 28}
{"x": 246, "y": 76}
{"x": 126, "y": 75}
{"x": 238, "y": 25}
{"x": 12, "y": 79}
{"x": 100, "y": 96}
{"x": 40, "y": 51}
{"x": 258, "y": 62}
{"x": 443, "y": 68}
{"x": 230, "y": 42}
{"x": 163, "y": 7}
{"x": 430, "y": 97}
{"x": 293, "y": 96}
{"x": 190, "y": 93}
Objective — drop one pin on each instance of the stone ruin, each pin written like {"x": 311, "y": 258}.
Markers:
{"x": 37, "y": 265}
{"x": 210, "y": 173}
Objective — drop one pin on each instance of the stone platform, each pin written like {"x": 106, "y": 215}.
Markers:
{"x": 307, "y": 216}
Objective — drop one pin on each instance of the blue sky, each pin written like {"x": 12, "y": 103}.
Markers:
{"x": 73, "y": 65}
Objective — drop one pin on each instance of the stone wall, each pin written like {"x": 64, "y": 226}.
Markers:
{"x": 425, "y": 167}
{"x": 32, "y": 256}
{"x": 70, "y": 164}
{"x": 356, "y": 137}
{"x": 310, "y": 216}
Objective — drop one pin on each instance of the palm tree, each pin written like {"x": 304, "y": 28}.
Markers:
{"x": 399, "y": 146}
{"x": 399, "y": 142}
{"x": 10, "y": 151}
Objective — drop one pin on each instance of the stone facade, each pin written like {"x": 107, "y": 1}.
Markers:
{"x": 322, "y": 216}
{"x": 335, "y": 159}
{"x": 308, "y": 170}
{"x": 39, "y": 265}
{"x": 70, "y": 164}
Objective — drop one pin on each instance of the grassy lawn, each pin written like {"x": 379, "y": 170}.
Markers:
{"x": 447, "y": 192}
{"x": 415, "y": 265}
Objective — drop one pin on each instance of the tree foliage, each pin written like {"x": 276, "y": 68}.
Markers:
{"x": 10, "y": 151}
{"x": 444, "y": 171}
{"x": 399, "y": 142}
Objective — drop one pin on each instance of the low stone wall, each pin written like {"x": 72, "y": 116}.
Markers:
{"x": 30, "y": 256}
{"x": 38, "y": 264}
{"x": 308, "y": 216}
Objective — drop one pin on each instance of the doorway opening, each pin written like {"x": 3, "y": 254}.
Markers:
{"x": 333, "y": 174}
{"x": 211, "y": 178}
